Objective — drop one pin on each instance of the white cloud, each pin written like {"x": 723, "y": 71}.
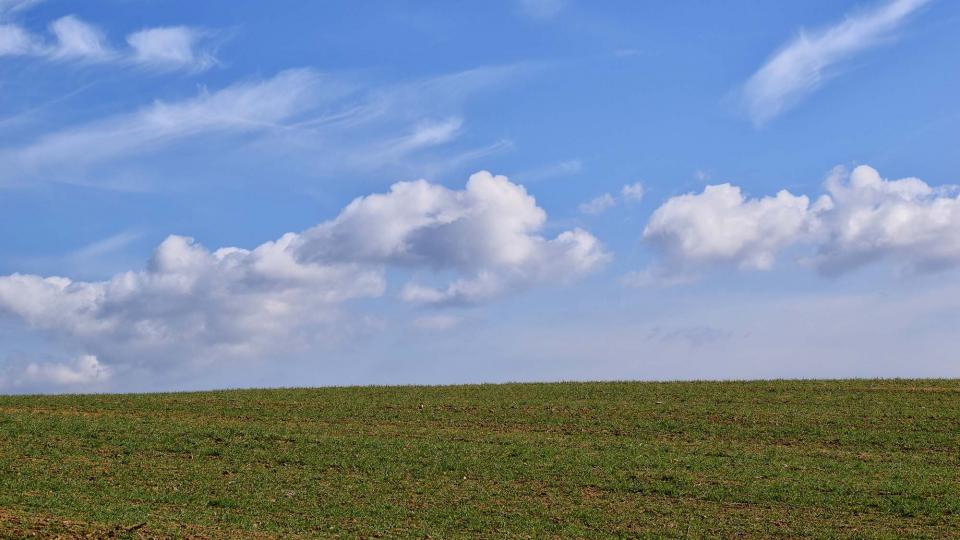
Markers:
{"x": 907, "y": 221}
{"x": 98, "y": 258}
{"x": 193, "y": 305}
{"x": 242, "y": 107}
{"x": 464, "y": 291}
{"x": 83, "y": 371}
{"x": 488, "y": 231}
{"x": 423, "y": 223}
{"x": 288, "y": 116}
{"x": 570, "y": 255}
{"x": 170, "y": 47}
{"x": 8, "y": 7}
{"x": 602, "y": 203}
{"x": 424, "y": 134}
{"x": 598, "y": 204}
{"x": 632, "y": 192}
{"x": 106, "y": 245}
{"x": 720, "y": 225}
{"x": 76, "y": 39}
{"x": 862, "y": 218}
{"x": 15, "y": 41}
{"x": 801, "y": 67}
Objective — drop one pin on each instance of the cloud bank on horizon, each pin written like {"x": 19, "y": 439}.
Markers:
{"x": 288, "y": 294}
{"x": 234, "y": 303}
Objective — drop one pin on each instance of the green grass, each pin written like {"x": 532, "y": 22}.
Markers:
{"x": 858, "y": 459}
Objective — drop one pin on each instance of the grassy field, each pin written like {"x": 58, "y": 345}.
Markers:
{"x": 856, "y": 459}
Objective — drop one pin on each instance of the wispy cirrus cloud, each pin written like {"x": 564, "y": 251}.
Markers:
{"x": 170, "y": 47}
{"x": 802, "y": 66}
{"x": 76, "y": 39}
{"x": 10, "y": 7}
{"x": 15, "y": 41}
{"x": 70, "y": 38}
{"x": 567, "y": 167}
{"x": 243, "y": 107}
{"x": 101, "y": 257}
{"x": 293, "y": 114}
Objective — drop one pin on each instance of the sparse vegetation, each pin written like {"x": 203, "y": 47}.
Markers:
{"x": 857, "y": 459}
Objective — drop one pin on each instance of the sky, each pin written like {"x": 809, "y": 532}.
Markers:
{"x": 235, "y": 194}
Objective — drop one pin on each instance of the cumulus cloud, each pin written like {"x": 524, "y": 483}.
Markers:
{"x": 568, "y": 256}
{"x": 720, "y": 225}
{"x": 190, "y": 301}
{"x": 907, "y": 221}
{"x": 801, "y": 67}
{"x": 861, "y": 218}
{"x": 487, "y": 231}
{"x": 198, "y": 305}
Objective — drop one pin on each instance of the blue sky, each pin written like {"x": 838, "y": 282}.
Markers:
{"x": 542, "y": 190}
